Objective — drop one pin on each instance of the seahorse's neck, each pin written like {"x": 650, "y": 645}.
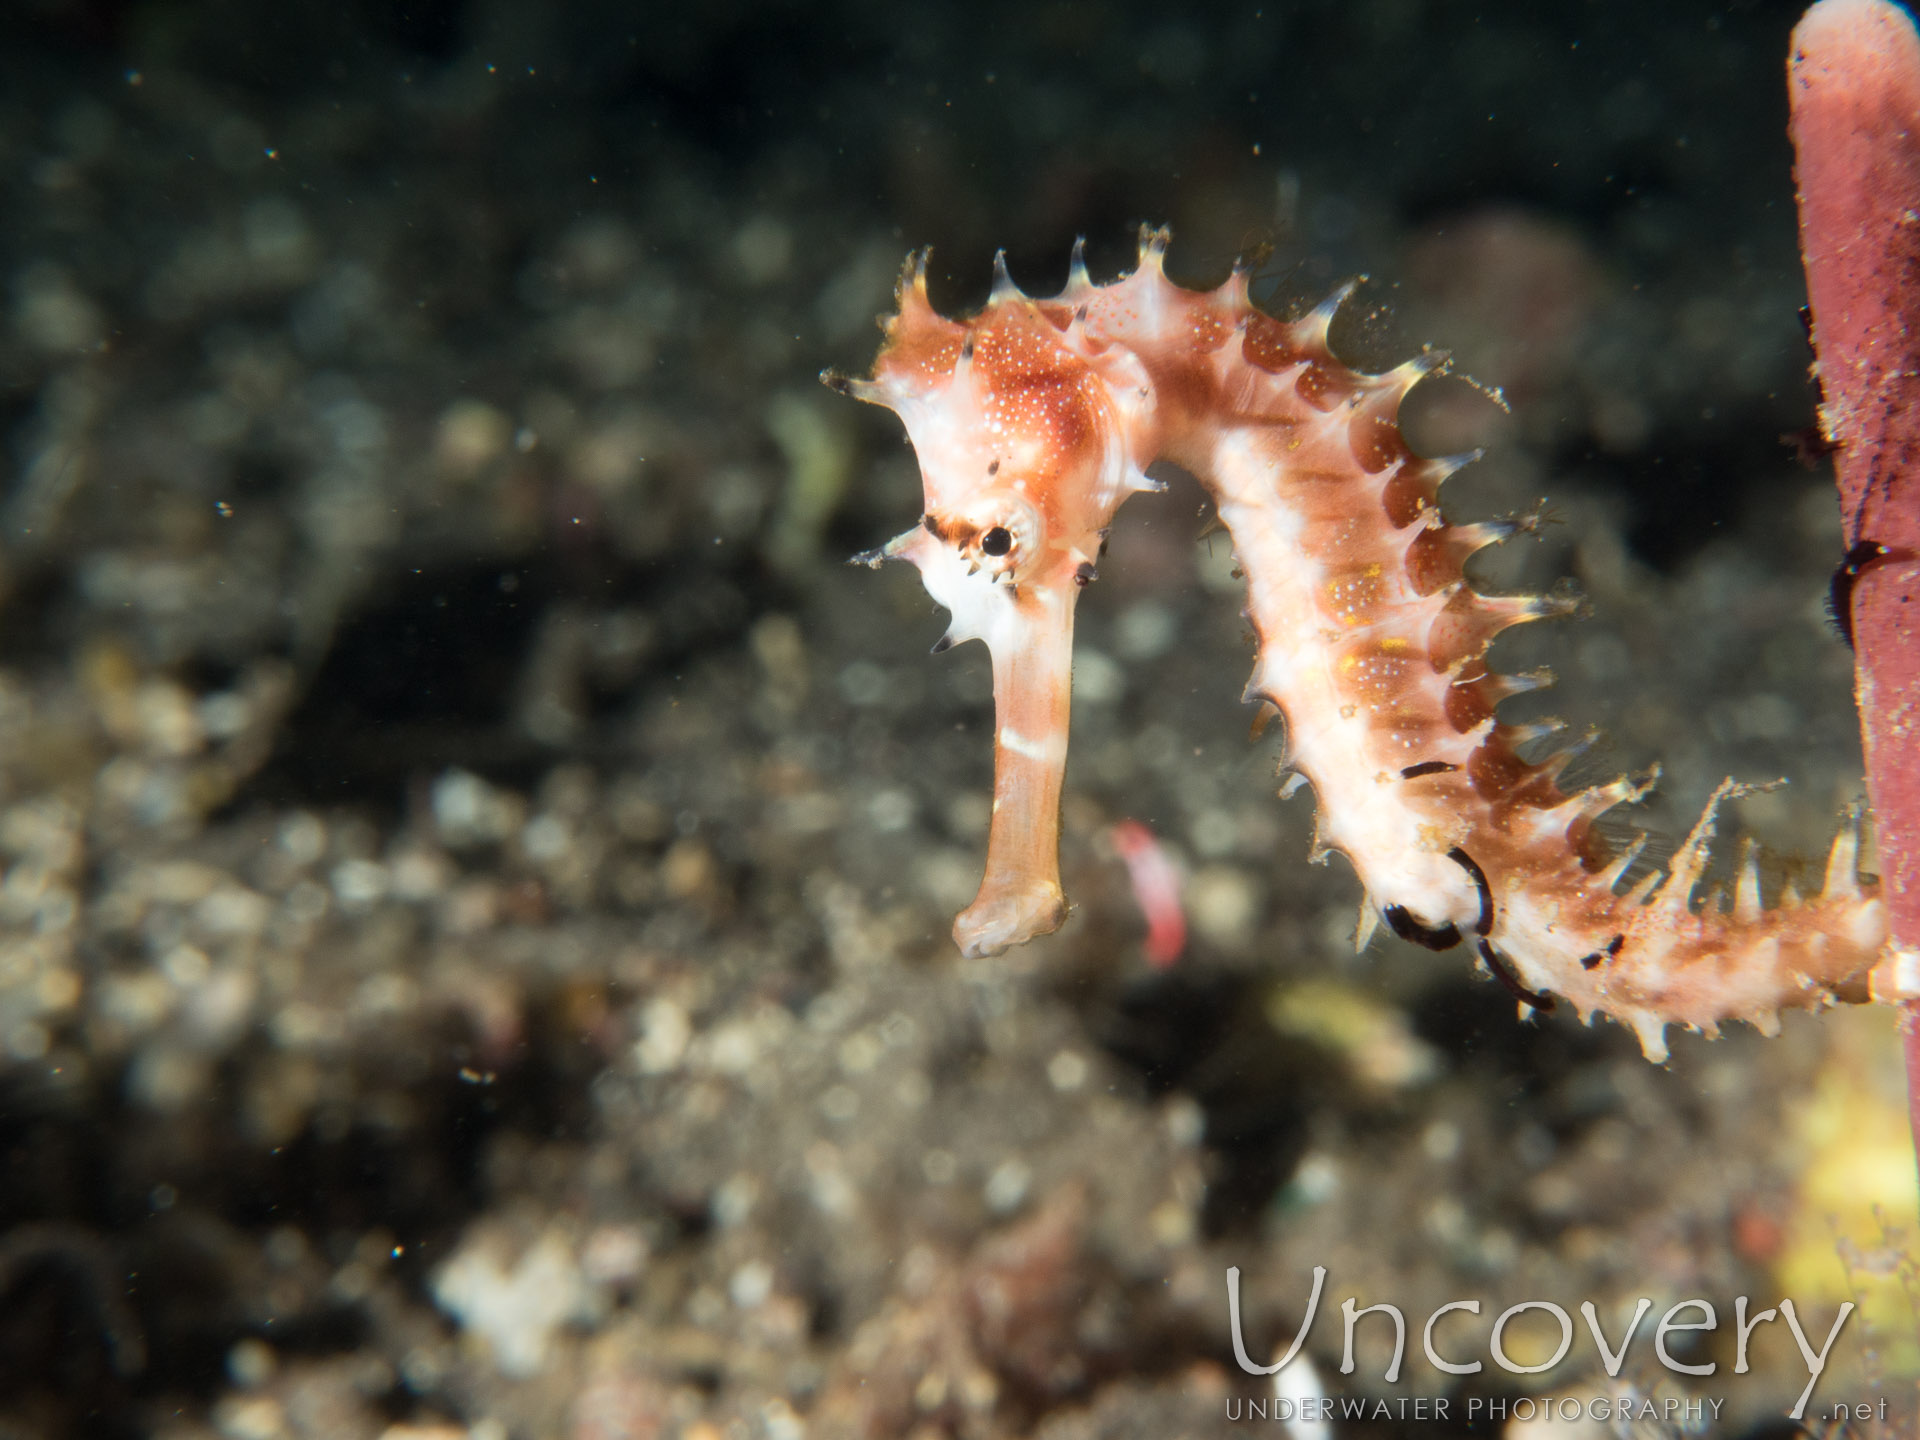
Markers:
{"x": 1035, "y": 420}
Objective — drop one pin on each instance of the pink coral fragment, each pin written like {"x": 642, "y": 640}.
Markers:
{"x": 1156, "y": 887}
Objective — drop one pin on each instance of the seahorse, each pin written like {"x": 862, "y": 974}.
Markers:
{"x": 1035, "y": 419}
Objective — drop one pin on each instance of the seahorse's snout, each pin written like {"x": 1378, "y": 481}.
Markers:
{"x": 1028, "y": 629}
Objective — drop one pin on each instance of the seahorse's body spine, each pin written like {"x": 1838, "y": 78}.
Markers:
{"x": 1371, "y": 644}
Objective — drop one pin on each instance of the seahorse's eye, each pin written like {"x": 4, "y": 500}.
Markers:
{"x": 1002, "y": 534}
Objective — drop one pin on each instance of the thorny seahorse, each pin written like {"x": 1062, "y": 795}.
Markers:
{"x": 1034, "y": 419}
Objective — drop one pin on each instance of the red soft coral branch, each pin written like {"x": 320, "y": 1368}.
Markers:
{"x": 1854, "y": 85}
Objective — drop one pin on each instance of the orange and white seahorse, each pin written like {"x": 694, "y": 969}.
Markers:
{"x": 1036, "y": 418}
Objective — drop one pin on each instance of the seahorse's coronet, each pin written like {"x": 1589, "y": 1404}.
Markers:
{"x": 1033, "y": 421}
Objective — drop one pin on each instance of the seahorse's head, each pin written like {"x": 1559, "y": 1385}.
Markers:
{"x": 1027, "y": 432}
